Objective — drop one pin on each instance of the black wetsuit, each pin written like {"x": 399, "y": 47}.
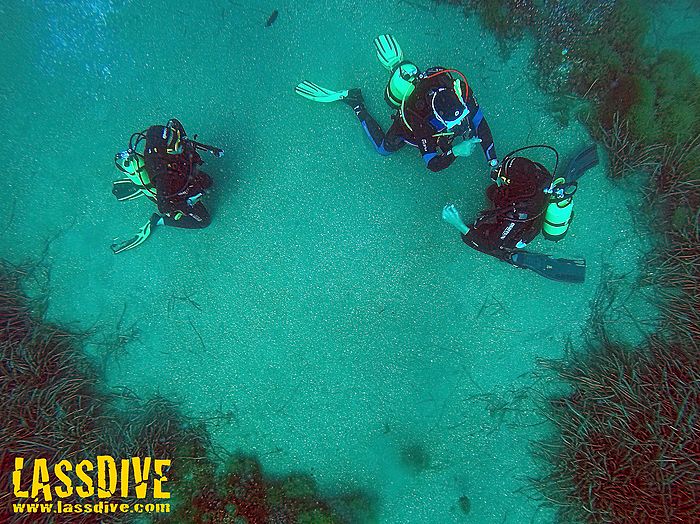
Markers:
{"x": 517, "y": 211}
{"x": 176, "y": 178}
{"x": 436, "y": 151}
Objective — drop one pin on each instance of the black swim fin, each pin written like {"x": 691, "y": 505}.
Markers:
{"x": 125, "y": 189}
{"x": 559, "y": 269}
{"x": 581, "y": 163}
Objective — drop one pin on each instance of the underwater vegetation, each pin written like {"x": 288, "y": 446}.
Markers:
{"x": 592, "y": 57}
{"x": 507, "y": 19}
{"x": 628, "y": 443}
{"x": 51, "y": 403}
{"x": 54, "y": 405}
{"x": 626, "y": 448}
{"x": 239, "y": 492}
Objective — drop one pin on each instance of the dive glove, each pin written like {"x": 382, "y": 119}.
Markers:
{"x": 466, "y": 147}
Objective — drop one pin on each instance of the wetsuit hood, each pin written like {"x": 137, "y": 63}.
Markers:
{"x": 156, "y": 139}
{"x": 448, "y": 107}
{"x": 165, "y": 139}
{"x": 524, "y": 182}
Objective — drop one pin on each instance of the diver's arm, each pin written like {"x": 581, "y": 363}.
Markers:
{"x": 167, "y": 206}
{"x": 451, "y": 216}
{"x": 428, "y": 149}
{"x": 472, "y": 236}
{"x": 480, "y": 128}
{"x": 191, "y": 154}
{"x": 171, "y": 207}
{"x": 437, "y": 162}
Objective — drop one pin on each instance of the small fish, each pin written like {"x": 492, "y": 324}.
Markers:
{"x": 272, "y": 18}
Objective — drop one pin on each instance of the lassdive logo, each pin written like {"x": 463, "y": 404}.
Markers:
{"x": 54, "y": 488}
{"x": 507, "y": 230}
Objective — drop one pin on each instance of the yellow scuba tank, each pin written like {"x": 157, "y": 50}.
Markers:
{"x": 131, "y": 164}
{"x": 560, "y": 211}
{"x": 401, "y": 84}
{"x": 402, "y": 72}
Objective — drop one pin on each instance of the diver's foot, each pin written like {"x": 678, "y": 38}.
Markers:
{"x": 355, "y": 100}
{"x": 156, "y": 220}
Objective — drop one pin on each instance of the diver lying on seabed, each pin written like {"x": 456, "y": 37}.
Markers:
{"x": 432, "y": 109}
{"x": 168, "y": 174}
{"x": 526, "y": 200}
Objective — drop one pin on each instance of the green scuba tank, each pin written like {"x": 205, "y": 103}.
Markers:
{"x": 560, "y": 211}
{"x": 401, "y": 83}
{"x": 131, "y": 164}
{"x": 402, "y": 72}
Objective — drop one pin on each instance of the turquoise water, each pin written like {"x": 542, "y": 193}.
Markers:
{"x": 341, "y": 320}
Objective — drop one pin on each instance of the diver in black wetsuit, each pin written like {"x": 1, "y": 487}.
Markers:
{"x": 435, "y": 111}
{"x": 433, "y": 115}
{"x": 527, "y": 199}
{"x": 167, "y": 173}
{"x": 173, "y": 165}
{"x": 518, "y": 204}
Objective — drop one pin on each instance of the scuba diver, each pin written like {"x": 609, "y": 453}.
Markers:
{"x": 433, "y": 108}
{"x": 526, "y": 200}
{"x": 168, "y": 174}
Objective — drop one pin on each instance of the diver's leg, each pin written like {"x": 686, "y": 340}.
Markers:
{"x": 394, "y": 138}
{"x": 201, "y": 216}
{"x": 369, "y": 124}
{"x": 202, "y": 181}
{"x": 197, "y": 218}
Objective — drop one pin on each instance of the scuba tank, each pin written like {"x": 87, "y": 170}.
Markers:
{"x": 401, "y": 83}
{"x": 405, "y": 76}
{"x": 132, "y": 165}
{"x": 547, "y": 184}
{"x": 560, "y": 211}
{"x": 402, "y": 72}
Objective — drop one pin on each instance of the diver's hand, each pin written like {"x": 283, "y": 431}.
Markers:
{"x": 451, "y": 216}
{"x": 194, "y": 199}
{"x": 495, "y": 171}
{"x": 466, "y": 147}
